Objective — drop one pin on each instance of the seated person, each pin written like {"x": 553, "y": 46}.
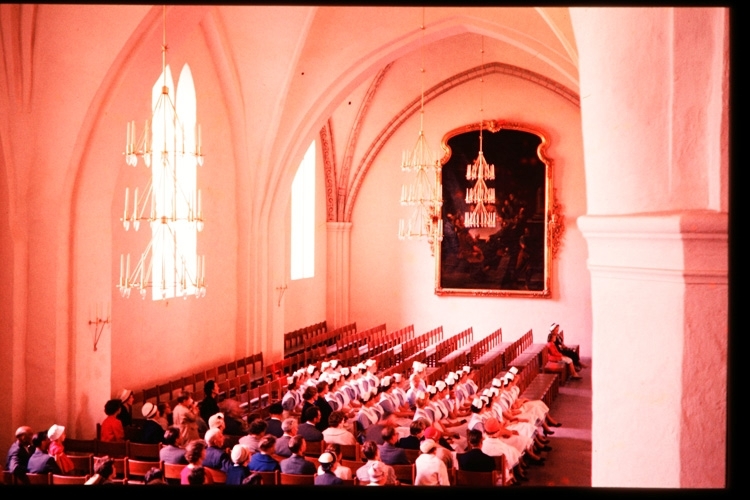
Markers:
{"x": 289, "y": 426}
{"x": 238, "y": 471}
{"x": 336, "y": 432}
{"x": 112, "y": 429}
{"x": 216, "y": 457}
{"x": 372, "y": 454}
{"x": 308, "y": 427}
{"x": 257, "y": 431}
{"x": 104, "y": 468}
{"x": 390, "y": 454}
{"x": 152, "y": 432}
{"x": 296, "y": 464}
{"x": 262, "y": 461}
{"x": 430, "y": 470}
{"x": 195, "y": 453}
{"x": 171, "y": 453}
{"x": 41, "y": 462}
{"x": 327, "y": 477}
{"x": 475, "y": 460}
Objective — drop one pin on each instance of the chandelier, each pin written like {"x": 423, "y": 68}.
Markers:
{"x": 425, "y": 193}
{"x": 480, "y": 196}
{"x": 169, "y": 265}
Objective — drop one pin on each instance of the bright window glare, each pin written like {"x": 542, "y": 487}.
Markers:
{"x": 303, "y": 218}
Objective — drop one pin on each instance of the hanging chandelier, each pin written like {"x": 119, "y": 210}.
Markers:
{"x": 169, "y": 266}
{"x": 425, "y": 192}
{"x": 480, "y": 196}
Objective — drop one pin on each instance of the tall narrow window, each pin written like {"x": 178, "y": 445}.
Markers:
{"x": 303, "y": 218}
{"x": 174, "y": 187}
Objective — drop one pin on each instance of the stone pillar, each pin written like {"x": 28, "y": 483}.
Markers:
{"x": 337, "y": 286}
{"x": 653, "y": 107}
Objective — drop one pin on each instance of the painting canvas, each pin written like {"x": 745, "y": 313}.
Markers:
{"x": 511, "y": 257}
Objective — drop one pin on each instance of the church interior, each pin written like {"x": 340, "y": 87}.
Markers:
{"x": 633, "y": 104}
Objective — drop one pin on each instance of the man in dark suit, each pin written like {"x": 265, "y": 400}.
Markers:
{"x": 274, "y": 421}
{"x": 389, "y": 453}
{"x": 308, "y": 429}
{"x": 19, "y": 454}
{"x": 296, "y": 464}
{"x": 475, "y": 460}
{"x": 322, "y": 403}
{"x": 416, "y": 431}
{"x": 41, "y": 462}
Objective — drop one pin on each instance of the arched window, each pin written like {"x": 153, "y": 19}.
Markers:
{"x": 174, "y": 187}
{"x": 303, "y": 218}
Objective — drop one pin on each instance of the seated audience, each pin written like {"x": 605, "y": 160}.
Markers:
{"x": 152, "y": 431}
{"x": 216, "y": 456}
{"x": 336, "y": 433}
{"x": 195, "y": 453}
{"x": 327, "y": 477}
{"x": 56, "y": 435}
{"x": 289, "y": 426}
{"x": 276, "y": 411}
{"x": 430, "y": 470}
{"x": 341, "y": 471}
{"x": 104, "y": 468}
{"x": 238, "y": 471}
{"x": 372, "y": 454}
{"x": 475, "y": 460}
{"x": 307, "y": 428}
{"x": 112, "y": 429}
{"x": 296, "y": 464}
{"x": 256, "y": 432}
{"x": 171, "y": 453}
{"x": 41, "y": 462}
{"x": 262, "y": 461}
{"x": 390, "y": 454}
{"x": 19, "y": 453}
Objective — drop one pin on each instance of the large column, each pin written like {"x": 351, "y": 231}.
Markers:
{"x": 337, "y": 286}
{"x": 659, "y": 306}
{"x": 654, "y": 106}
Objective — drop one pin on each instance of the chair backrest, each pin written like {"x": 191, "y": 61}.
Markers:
{"x": 297, "y": 479}
{"x": 220, "y": 477}
{"x": 119, "y": 466}
{"x": 114, "y": 449}
{"x": 7, "y": 478}
{"x": 39, "y": 478}
{"x": 137, "y": 469}
{"x": 81, "y": 446}
{"x": 351, "y": 452}
{"x": 480, "y": 479}
{"x": 58, "y": 479}
{"x": 404, "y": 473}
{"x": 313, "y": 449}
{"x": 352, "y": 464}
{"x": 172, "y": 472}
{"x": 412, "y": 455}
{"x": 82, "y": 464}
{"x": 145, "y": 452}
{"x": 269, "y": 478}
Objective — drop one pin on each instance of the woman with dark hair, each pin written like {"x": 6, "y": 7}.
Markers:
{"x": 341, "y": 471}
{"x": 171, "y": 453}
{"x": 112, "y": 429}
{"x": 195, "y": 452}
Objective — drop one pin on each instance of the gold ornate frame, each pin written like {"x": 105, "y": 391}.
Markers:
{"x": 551, "y": 232}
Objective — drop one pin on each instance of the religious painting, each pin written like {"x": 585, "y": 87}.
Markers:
{"x": 500, "y": 227}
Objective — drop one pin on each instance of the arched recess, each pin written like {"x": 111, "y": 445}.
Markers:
{"x": 313, "y": 118}
{"x": 87, "y": 229}
{"x": 431, "y": 94}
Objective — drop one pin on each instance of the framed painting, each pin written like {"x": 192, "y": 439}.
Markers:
{"x": 511, "y": 254}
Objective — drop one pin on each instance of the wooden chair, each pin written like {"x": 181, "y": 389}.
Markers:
{"x": 479, "y": 479}
{"x": 82, "y": 464}
{"x": 220, "y": 477}
{"x": 145, "y": 452}
{"x": 500, "y": 467}
{"x": 115, "y": 449}
{"x": 172, "y": 472}
{"x": 135, "y": 470}
{"x": 412, "y": 455}
{"x": 269, "y": 478}
{"x": 80, "y": 446}
{"x": 7, "y": 478}
{"x": 119, "y": 466}
{"x": 352, "y": 464}
{"x": 313, "y": 449}
{"x": 296, "y": 479}
{"x": 404, "y": 473}
{"x": 36, "y": 479}
{"x": 69, "y": 480}
{"x": 351, "y": 452}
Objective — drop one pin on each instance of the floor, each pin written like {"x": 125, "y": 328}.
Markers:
{"x": 569, "y": 461}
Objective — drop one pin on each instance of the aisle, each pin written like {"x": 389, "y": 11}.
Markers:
{"x": 569, "y": 462}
